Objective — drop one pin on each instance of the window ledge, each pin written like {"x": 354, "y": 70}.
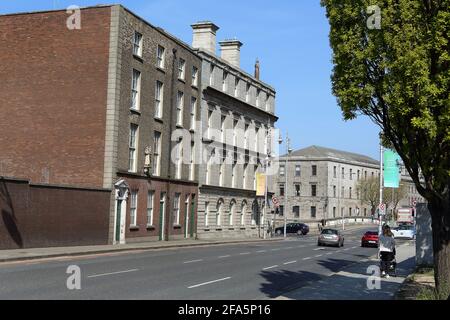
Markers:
{"x": 218, "y": 229}
{"x": 179, "y": 126}
{"x": 134, "y": 228}
{"x": 158, "y": 119}
{"x": 136, "y": 111}
{"x": 182, "y": 80}
{"x": 151, "y": 227}
{"x": 194, "y": 87}
{"x": 160, "y": 69}
{"x": 177, "y": 226}
{"x": 137, "y": 57}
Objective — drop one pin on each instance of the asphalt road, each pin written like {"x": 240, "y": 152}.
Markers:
{"x": 259, "y": 270}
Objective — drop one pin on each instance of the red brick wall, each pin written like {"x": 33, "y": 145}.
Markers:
{"x": 45, "y": 216}
{"x": 53, "y": 84}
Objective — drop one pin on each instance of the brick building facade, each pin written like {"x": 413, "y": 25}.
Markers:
{"x": 95, "y": 108}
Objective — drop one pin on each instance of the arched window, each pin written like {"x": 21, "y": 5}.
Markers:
{"x": 232, "y": 211}
{"x": 243, "y": 210}
{"x": 219, "y": 209}
{"x": 254, "y": 214}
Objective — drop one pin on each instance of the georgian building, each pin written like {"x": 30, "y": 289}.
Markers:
{"x": 237, "y": 114}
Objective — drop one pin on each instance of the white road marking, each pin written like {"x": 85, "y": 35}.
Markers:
{"x": 319, "y": 255}
{"x": 319, "y": 249}
{"x": 243, "y": 253}
{"x": 192, "y": 261}
{"x": 209, "y": 282}
{"x": 261, "y": 251}
{"x": 275, "y": 249}
{"x": 347, "y": 249}
{"x": 289, "y": 262}
{"x": 111, "y": 273}
{"x": 224, "y": 256}
{"x": 329, "y": 253}
{"x": 307, "y": 258}
{"x": 271, "y": 267}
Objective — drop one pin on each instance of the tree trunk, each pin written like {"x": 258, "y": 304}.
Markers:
{"x": 440, "y": 213}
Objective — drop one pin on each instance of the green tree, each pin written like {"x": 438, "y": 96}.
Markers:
{"x": 369, "y": 192}
{"x": 397, "y": 74}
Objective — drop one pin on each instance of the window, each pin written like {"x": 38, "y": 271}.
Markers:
{"x": 137, "y": 44}
{"x": 351, "y": 175}
{"x": 221, "y": 175}
{"x": 231, "y": 213}
{"x": 179, "y": 159}
{"x": 181, "y": 67}
{"x": 243, "y": 210}
{"x": 156, "y": 153}
{"x": 193, "y": 112}
{"x": 159, "y": 93}
{"x": 235, "y": 124}
{"x": 160, "y": 57}
{"x": 211, "y": 75}
{"x": 222, "y": 127}
{"x": 254, "y": 177}
{"x": 208, "y": 166}
{"x": 350, "y": 212}
{"x": 192, "y": 164}
{"x": 206, "y": 214}
{"x": 342, "y": 192}
{"x": 357, "y": 177}
{"x": 343, "y": 173}
{"x": 257, "y": 140}
{"x": 150, "y": 198}
{"x": 282, "y": 170}
{"x": 313, "y": 212}
{"x": 133, "y": 208}
{"x": 194, "y": 76}
{"x": 176, "y": 209}
{"x": 236, "y": 86}
{"x": 296, "y": 210}
{"x": 372, "y": 174}
{"x": 244, "y": 178}
{"x": 365, "y": 211}
{"x": 314, "y": 170}
{"x": 225, "y": 81}
{"x": 365, "y": 175}
{"x": 334, "y": 212}
{"x": 247, "y": 92}
{"x": 246, "y": 136}
{"x": 313, "y": 190}
{"x": 135, "y": 89}
{"x": 297, "y": 170}
{"x": 180, "y": 107}
{"x": 267, "y": 105}
{"x": 233, "y": 175}
{"x": 258, "y": 92}
{"x": 281, "y": 210}
{"x": 334, "y": 191}
{"x": 334, "y": 172}
{"x": 219, "y": 212}
{"x": 281, "y": 190}
{"x": 297, "y": 190}
{"x": 350, "y": 192}
{"x": 132, "y": 148}
{"x": 210, "y": 113}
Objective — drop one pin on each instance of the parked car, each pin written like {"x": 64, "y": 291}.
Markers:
{"x": 370, "y": 239}
{"x": 404, "y": 231}
{"x": 331, "y": 237}
{"x": 297, "y": 228}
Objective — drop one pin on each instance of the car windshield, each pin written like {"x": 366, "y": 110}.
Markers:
{"x": 405, "y": 228}
{"x": 329, "y": 231}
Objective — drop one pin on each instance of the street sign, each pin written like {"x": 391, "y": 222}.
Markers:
{"x": 275, "y": 201}
{"x": 382, "y": 209}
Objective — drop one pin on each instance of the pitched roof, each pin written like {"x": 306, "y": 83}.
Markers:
{"x": 328, "y": 153}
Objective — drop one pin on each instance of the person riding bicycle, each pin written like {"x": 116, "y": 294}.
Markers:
{"x": 387, "y": 249}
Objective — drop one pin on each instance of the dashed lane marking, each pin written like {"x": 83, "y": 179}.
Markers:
{"x": 111, "y": 273}
{"x": 290, "y": 262}
{"x": 208, "y": 282}
{"x": 271, "y": 267}
{"x": 192, "y": 261}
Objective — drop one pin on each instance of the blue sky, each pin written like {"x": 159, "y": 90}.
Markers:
{"x": 290, "y": 38}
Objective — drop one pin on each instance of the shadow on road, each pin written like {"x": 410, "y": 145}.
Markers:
{"x": 281, "y": 281}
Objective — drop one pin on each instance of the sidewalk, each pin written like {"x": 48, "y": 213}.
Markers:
{"x": 50, "y": 252}
{"x": 351, "y": 282}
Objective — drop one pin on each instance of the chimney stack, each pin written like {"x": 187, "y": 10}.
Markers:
{"x": 257, "y": 69}
{"x": 204, "y": 36}
{"x": 230, "y": 51}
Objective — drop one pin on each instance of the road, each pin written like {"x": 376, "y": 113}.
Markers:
{"x": 261, "y": 270}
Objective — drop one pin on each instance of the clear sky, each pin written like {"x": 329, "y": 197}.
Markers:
{"x": 290, "y": 38}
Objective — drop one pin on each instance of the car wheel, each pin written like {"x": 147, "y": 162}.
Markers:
{"x": 278, "y": 232}
{"x": 299, "y": 233}
{"x": 362, "y": 245}
{"x": 342, "y": 244}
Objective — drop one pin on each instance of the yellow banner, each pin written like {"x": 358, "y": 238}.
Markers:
{"x": 260, "y": 184}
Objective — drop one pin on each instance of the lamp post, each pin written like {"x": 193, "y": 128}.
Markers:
{"x": 288, "y": 151}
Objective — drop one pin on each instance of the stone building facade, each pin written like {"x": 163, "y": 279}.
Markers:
{"x": 95, "y": 108}
{"x": 237, "y": 114}
{"x": 322, "y": 184}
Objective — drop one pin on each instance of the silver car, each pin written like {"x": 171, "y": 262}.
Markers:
{"x": 331, "y": 237}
